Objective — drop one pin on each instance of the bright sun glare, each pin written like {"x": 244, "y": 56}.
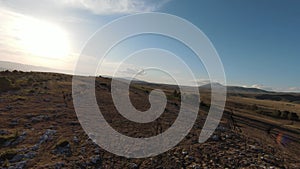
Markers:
{"x": 43, "y": 39}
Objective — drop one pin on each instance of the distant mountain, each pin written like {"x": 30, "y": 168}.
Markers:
{"x": 209, "y": 85}
{"x": 128, "y": 79}
{"x": 235, "y": 89}
{"x": 290, "y": 97}
{"x": 230, "y": 89}
{"x": 5, "y": 65}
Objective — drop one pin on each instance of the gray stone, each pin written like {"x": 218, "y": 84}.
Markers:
{"x": 20, "y": 157}
{"x": 97, "y": 150}
{"x": 215, "y": 138}
{"x": 39, "y": 118}
{"x": 221, "y": 128}
{"x": 35, "y": 147}
{"x": 59, "y": 165}
{"x": 63, "y": 149}
{"x": 196, "y": 166}
{"x": 19, "y": 139}
{"x": 19, "y": 165}
{"x": 14, "y": 122}
{"x": 17, "y": 158}
{"x": 30, "y": 155}
{"x": 184, "y": 153}
{"x": 8, "y": 107}
{"x": 3, "y": 132}
{"x": 82, "y": 150}
{"x": 96, "y": 159}
{"x": 47, "y": 135}
{"x": 133, "y": 166}
{"x": 75, "y": 140}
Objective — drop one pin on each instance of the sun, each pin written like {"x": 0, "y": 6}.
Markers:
{"x": 43, "y": 39}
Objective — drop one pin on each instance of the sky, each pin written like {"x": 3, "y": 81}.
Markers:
{"x": 258, "y": 41}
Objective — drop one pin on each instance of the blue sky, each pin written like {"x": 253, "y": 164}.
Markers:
{"x": 258, "y": 41}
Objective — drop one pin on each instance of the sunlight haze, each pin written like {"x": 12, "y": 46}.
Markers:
{"x": 257, "y": 41}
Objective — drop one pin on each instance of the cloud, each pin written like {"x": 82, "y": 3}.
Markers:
{"x": 201, "y": 82}
{"x": 275, "y": 89}
{"x": 98, "y": 7}
{"x": 292, "y": 89}
{"x": 120, "y": 70}
{"x": 9, "y": 44}
{"x": 133, "y": 71}
{"x": 73, "y": 8}
{"x": 107, "y": 7}
{"x": 258, "y": 86}
{"x": 288, "y": 89}
{"x": 262, "y": 87}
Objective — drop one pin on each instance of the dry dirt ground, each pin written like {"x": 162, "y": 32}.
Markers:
{"x": 39, "y": 129}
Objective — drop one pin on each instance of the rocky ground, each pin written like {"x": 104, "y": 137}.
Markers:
{"x": 39, "y": 129}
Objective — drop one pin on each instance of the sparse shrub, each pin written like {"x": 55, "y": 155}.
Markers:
{"x": 5, "y": 84}
{"x": 6, "y": 163}
{"x": 31, "y": 91}
{"x": 202, "y": 104}
{"x": 254, "y": 107}
{"x": 7, "y": 155}
{"x": 176, "y": 94}
{"x": 30, "y": 81}
{"x": 63, "y": 147}
{"x": 62, "y": 143}
{"x": 190, "y": 98}
{"x": 20, "y": 98}
{"x": 285, "y": 114}
{"x": 293, "y": 116}
{"x": 6, "y": 138}
{"x": 277, "y": 114}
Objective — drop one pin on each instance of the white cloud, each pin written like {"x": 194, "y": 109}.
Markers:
{"x": 292, "y": 89}
{"x": 204, "y": 81}
{"x": 121, "y": 70}
{"x": 101, "y": 7}
{"x": 106, "y": 7}
{"x": 262, "y": 87}
{"x": 129, "y": 71}
{"x": 275, "y": 89}
{"x": 258, "y": 86}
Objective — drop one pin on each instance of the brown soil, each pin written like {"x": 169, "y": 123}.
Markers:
{"x": 39, "y": 129}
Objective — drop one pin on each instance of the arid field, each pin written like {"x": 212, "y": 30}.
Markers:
{"x": 39, "y": 127}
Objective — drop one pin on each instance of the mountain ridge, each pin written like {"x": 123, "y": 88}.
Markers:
{"x": 11, "y": 66}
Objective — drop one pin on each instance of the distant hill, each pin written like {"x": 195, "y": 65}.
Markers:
{"x": 5, "y": 65}
{"x": 235, "y": 89}
{"x": 290, "y": 97}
